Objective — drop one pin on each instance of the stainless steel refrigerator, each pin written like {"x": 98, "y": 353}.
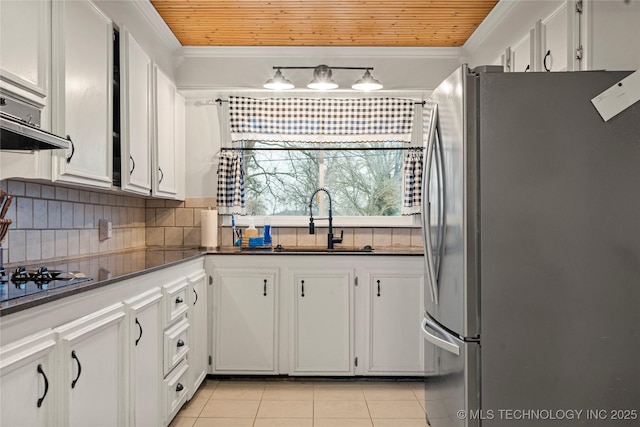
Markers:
{"x": 532, "y": 252}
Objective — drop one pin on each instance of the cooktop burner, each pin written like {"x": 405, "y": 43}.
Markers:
{"x": 22, "y": 281}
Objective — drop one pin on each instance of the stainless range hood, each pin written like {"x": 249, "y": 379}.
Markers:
{"x": 20, "y": 128}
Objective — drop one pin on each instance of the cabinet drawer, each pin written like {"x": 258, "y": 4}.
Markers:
{"x": 176, "y": 345}
{"x": 175, "y": 300}
{"x": 175, "y": 390}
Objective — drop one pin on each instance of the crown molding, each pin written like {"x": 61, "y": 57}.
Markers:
{"x": 319, "y": 51}
{"x": 486, "y": 27}
{"x": 157, "y": 23}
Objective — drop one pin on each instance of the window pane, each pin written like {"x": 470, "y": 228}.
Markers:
{"x": 361, "y": 182}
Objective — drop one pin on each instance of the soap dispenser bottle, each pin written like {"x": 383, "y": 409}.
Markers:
{"x": 249, "y": 233}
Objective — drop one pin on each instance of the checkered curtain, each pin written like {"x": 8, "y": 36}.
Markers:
{"x": 413, "y": 166}
{"x": 230, "y": 195}
{"x": 321, "y": 119}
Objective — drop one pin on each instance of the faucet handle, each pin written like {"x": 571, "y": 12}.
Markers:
{"x": 312, "y": 229}
{"x": 339, "y": 239}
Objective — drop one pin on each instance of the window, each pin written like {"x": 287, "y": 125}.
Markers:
{"x": 363, "y": 181}
{"x": 355, "y": 148}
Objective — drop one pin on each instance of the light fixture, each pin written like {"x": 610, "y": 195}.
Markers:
{"x": 367, "y": 83}
{"x": 322, "y": 78}
{"x": 278, "y": 82}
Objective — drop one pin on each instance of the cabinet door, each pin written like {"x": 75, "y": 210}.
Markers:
{"x": 245, "y": 322}
{"x": 145, "y": 351}
{"x": 27, "y": 374}
{"x": 521, "y": 54}
{"x": 555, "y": 45}
{"x": 199, "y": 341}
{"x": 164, "y": 173}
{"x": 24, "y": 51}
{"x": 92, "y": 384}
{"x": 82, "y": 85}
{"x": 135, "y": 94}
{"x": 395, "y": 344}
{"x": 323, "y": 324}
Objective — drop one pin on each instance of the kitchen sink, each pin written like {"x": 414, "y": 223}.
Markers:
{"x": 322, "y": 249}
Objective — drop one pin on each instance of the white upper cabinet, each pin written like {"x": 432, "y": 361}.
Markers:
{"x": 164, "y": 156}
{"x": 554, "y": 35}
{"x": 136, "y": 131}
{"x": 521, "y": 54}
{"x": 82, "y": 90}
{"x": 24, "y": 48}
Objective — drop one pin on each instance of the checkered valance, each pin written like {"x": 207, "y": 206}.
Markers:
{"x": 320, "y": 119}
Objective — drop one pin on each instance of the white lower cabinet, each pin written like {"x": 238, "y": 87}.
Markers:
{"x": 175, "y": 390}
{"x": 245, "y": 321}
{"x": 145, "y": 357}
{"x": 98, "y": 358}
{"x": 323, "y": 315}
{"x": 27, "y": 371}
{"x": 92, "y": 385}
{"x": 198, "y": 337}
{"x": 323, "y": 323}
{"x": 394, "y": 343}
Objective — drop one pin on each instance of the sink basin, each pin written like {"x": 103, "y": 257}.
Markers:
{"x": 321, "y": 249}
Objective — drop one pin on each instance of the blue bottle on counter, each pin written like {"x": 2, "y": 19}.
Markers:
{"x": 267, "y": 231}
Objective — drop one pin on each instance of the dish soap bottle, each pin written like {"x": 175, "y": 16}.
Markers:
{"x": 249, "y": 233}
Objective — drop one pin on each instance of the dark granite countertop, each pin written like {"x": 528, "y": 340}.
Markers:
{"x": 316, "y": 250}
{"x": 105, "y": 269}
{"x": 109, "y": 268}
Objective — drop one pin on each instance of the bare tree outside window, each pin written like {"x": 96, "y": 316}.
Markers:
{"x": 362, "y": 182}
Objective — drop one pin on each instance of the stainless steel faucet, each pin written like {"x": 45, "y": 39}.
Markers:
{"x": 330, "y": 239}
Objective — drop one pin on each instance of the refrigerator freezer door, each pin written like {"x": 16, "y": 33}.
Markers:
{"x": 451, "y": 395}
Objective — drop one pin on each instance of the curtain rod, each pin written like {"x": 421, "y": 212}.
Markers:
{"x": 321, "y": 149}
{"x": 220, "y": 101}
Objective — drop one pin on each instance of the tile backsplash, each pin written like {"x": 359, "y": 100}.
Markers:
{"x": 51, "y": 222}
{"x": 54, "y": 222}
{"x": 175, "y": 223}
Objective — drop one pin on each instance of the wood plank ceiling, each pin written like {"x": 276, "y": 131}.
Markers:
{"x": 396, "y": 23}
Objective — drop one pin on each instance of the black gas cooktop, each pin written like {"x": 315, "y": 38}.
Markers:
{"x": 23, "y": 281}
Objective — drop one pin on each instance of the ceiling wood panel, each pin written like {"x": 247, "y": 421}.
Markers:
{"x": 410, "y": 23}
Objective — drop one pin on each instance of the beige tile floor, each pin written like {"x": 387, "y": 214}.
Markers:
{"x": 297, "y": 403}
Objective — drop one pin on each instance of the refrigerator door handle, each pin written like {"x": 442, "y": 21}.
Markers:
{"x": 445, "y": 343}
{"x": 437, "y": 146}
{"x": 426, "y": 229}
